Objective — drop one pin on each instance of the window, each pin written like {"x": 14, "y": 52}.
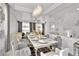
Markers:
{"x": 30, "y": 26}
{"x": 39, "y": 27}
{"x": 25, "y": 27}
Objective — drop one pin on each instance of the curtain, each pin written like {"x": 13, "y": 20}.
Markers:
{"x": 34, "y": 26}
{"x": 19, "y": 26}
{"x": 30, "y": 26}
{"x": 43, "y": 29}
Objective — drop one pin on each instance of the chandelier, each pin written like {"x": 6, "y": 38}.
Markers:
{"x": 37, "y": 11}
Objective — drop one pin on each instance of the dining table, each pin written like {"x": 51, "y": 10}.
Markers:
{"x": 41, "y": 42}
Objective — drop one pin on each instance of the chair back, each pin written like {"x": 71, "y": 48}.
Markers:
{"x": 64, "y": 52}
{"x": 42, "y": 54}
{"x": 18, "y": 36}
{"x": 14, "y": 46}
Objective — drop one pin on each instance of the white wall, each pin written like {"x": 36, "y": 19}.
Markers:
{"x": 13, "y": 21}
{"x": 3, "y": 30}
{"x": 68, "y": 21}
{"x": 47, "y": 26}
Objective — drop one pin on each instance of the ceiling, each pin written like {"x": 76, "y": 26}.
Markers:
{"x": 66, "y": 8}
{"x": 28, "y": 7}
{"x": 32, "y": 5}
{"x": 56, "y": 10}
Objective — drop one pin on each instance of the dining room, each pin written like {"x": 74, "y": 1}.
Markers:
{"x": 39, "y": 29}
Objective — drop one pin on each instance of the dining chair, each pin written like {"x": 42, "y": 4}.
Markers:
{"x": 59, "y": 44}
{"x": 42, "y": 54}
{"x": 64, "y": 52}
{"x": 18, "y": 36}
{"x": 19, "y": 47}
{"x": 14, "y": 46}
{"x": 58, "y": 52}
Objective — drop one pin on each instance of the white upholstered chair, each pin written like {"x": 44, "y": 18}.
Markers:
{"x": 19, "y": 47}
{"x": 63, "y": 52}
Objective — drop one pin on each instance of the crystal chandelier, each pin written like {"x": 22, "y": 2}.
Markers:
{"x": 37, "y": 11}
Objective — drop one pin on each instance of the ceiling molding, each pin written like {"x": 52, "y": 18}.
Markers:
{"x": 51, "y": 8}
{"x": 19, "y": 8}
{"x": 23, "y": 9}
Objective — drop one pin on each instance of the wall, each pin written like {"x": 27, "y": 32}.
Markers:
{"x": 13, "y": 21}
{"x": 67, "y": 21}
{"x": 3, "y": 29}
{"x": 5, "y": 41}
{"x": 47, "y": 26}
